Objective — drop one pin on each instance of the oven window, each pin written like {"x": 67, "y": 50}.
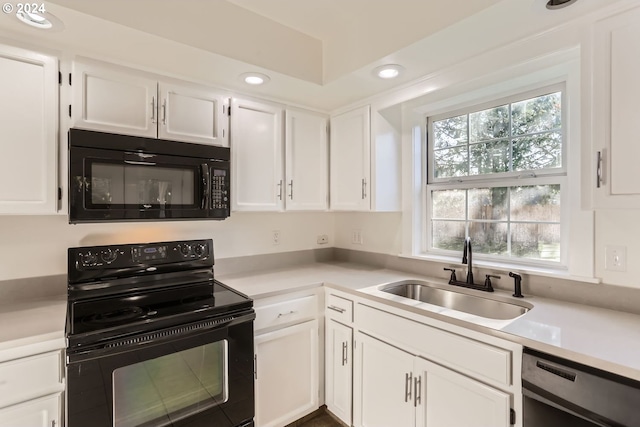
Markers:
{"x": 118, "y": 184}
{"x": 166, "y": 389}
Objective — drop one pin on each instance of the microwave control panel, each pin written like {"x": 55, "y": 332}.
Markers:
{"x": 220, "y": 189}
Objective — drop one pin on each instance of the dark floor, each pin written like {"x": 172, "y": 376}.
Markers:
{"x": 319, "y": 418}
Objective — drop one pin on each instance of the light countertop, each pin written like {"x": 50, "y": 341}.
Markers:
{"x": 32, "y": 327}
{"x": 601, "y": 338}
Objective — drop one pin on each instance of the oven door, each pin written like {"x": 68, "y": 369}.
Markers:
{"x": 175, "y": 378}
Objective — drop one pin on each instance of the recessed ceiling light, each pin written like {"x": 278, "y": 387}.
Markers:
{"x": 43, "y": 21}
{"x": 388, "y": 71}
{"x": 255, "y": 79}
{"x": 557, "y": 4}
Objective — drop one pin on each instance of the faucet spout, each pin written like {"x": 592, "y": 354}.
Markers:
{"x": 467, "y": 258}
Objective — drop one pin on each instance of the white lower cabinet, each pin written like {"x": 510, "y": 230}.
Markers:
{"x": 448, "y": 399}
{"x": 42, "y": 412}
{"x": 383, "y": 385}
{"x": 338, "y": 374}
{"x": 286, "y": 374}
{"x": 397, "y": 388}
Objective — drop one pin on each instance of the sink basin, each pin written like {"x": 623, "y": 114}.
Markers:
{"x": 472, "y": 304}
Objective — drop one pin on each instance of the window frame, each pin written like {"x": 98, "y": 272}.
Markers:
{"x": 557, "y": 176}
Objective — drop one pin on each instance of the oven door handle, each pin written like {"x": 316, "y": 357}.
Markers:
{"x": 204, "y": 167}
{"x": 160, "y": 336}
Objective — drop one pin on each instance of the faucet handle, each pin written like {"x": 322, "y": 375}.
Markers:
{"x": 487, "y": 281}
{"x": 453, "y": 275}
{"x": 517, "y": 284}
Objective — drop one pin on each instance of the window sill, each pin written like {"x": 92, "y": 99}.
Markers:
{"x": 516, "y": 268}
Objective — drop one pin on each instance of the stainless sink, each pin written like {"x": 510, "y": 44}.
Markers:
{"x": 472, "y": 304}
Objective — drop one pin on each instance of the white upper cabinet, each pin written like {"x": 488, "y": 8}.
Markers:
{"x": 256, "y": 156}
{"x": 28, "y": 132}
{"x": 276, "y": 165}
{"x": 306, "y": 154}
{"x": 193, "y": 114}
{"x": 350, "y": 161}
{"x": 111, "y": 99}
{"x": 616, "y": 90}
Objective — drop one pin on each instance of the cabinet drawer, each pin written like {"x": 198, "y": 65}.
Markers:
{"x": 475, "y": 358}
{"x": 339, "y": 308}
{"x": 284, "y": 312}
{"x": 24, "y": 379}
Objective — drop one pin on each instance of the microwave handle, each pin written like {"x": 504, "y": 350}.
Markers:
{"x": 205, "y": 186}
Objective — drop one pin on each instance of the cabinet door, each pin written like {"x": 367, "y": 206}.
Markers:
{"x": 42, "y": 412}
{"x": 256, "y": 155}
{"x": 448, "y": 399}
{"x": 192, "y": 114}
{"x": 616, "y": 109}
{"x": 306, "y": 154}
{"x": 339, "y": 362}
{"x": 110, "y": 100}
{"x": 350, "y": 161}
{"x": 383, "y": 378}
{"x": 28, "y": 132}
{"x": 286, "y": 374}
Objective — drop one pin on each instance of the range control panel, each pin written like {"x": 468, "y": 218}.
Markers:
{"x": 135, "y": 255}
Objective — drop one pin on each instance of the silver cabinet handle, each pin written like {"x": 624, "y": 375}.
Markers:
{"x": 364, "y": 188}
{"x": 164, "y": 111}
{"x": 286, "y": 314}
{"x": 280, "y": 190}
{"x": 417, "y": 390}
{"x": 291, "y": 189}
{"x": 598, "y": 169}
{"x": 338, "y": 309}
{"x": 407, "y": 386}
{"x": 344, "y": 353}
{"x": 153, "y": 109}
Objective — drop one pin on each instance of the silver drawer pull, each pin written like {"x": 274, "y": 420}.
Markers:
{"x": 338, "y": 309}
{"x": 286, "y": 314}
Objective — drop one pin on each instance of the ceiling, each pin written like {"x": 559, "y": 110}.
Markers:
{"x": 314, "y": 40}
{"x": 318, "y": 53}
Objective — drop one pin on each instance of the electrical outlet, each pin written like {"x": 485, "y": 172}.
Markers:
{"x": 356, "y": 237}
{"x": 275, "y": 235}
{"x": 323, "y": 239}
{"x": 615, "y": 258}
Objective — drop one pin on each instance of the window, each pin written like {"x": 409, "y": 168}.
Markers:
{"x": 496, "y": 173}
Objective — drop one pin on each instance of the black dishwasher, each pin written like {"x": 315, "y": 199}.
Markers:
{"x": 559, "y": 392}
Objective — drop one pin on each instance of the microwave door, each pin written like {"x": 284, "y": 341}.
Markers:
{"x": 142, "y": 186}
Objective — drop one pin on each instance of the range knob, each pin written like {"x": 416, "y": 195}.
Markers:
{"x": 88, "y": 259}
{"x": 200, "y": 250}
{"x": 185, "y": 250}
{"x": 109, "y": 256}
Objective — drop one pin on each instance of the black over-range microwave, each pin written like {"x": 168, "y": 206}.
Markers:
{"x": 128, "y": 178}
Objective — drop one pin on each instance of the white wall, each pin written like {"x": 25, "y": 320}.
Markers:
{"x": 381, "y": 231}
{"x": 618, "y": 228}
{"x": 32, "y": 246}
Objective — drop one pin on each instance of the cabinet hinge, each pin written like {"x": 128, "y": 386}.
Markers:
{"x": 229, "y": 110}
{"x": 59, "y": 78}
{"x": 59, "y": 193}
{"x": 512, "y": 416}
{"x": 69, "y": 110}
{"x": 69, "y": 79}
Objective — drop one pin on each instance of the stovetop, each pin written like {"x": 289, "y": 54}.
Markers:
{"x": 145, "y": 287}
